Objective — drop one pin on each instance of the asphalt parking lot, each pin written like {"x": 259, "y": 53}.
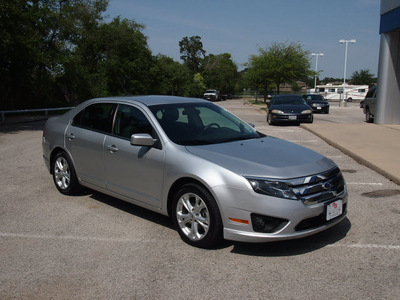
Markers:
{"x": 93, "y": 246}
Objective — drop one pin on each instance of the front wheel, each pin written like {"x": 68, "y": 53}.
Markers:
{"x": 269, "y": 121}
{"x": 196, "y": 217}
{"x": 64, "y": 175}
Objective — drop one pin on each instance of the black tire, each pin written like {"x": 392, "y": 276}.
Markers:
{"x": 368, "y": 116}
{"x": 196, "y": 217}
{"x": 64, "y": 175}
{"x": 269, "y": 120}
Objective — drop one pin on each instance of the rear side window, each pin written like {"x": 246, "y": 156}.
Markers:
{"x": 96, "y": 117}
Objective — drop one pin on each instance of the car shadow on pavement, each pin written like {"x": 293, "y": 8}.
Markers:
{"x": 296, "y": 246}
{"x": 271, "y": 249}
{"x": 131, "y": 208}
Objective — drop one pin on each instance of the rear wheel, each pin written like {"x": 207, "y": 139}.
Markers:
{"x": 64, "y": 175}
{"x": 196, "y": 216}
{"x": 368, "y": 116}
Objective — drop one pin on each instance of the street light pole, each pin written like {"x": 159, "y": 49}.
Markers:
{"x": 316, "y": 67}
{"x": 343, "y": 101}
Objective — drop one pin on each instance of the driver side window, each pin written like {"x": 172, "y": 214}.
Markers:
{"x": 130, "y": 120}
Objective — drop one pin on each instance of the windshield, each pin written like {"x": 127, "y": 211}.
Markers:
{"x": 288, "y": 101}
{"x": 313, "y": 97}
{"x": 201, "y": 124}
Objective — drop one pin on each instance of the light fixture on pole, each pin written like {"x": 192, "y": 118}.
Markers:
{"x": 343, "y": 101}
{"x": 316, "y": 68}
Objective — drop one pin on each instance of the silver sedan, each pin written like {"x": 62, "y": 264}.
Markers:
{"x": 213, "y": 174}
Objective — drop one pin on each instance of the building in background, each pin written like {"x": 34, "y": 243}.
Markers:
{"x": 388, "y": 95}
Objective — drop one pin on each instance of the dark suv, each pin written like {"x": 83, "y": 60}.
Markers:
{"x": 368, "y": 104}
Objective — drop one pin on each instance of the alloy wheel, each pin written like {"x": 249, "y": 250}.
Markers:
{"x": 62, "y": 173}
{"x": 193, "y": 216}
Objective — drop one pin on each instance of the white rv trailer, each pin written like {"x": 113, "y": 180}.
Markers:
{"x": 335, "y": 91}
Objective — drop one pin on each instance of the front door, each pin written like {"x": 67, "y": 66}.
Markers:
{"x": 135, "y": 172}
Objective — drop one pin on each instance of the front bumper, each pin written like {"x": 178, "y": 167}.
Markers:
{"x": 291, "y": 118}
{"x": 300, "y": 219}
{"x": 210, "y": 97}
{"x": 320, "y": 109}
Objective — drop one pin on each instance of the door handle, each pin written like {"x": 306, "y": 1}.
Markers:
{"x": 70, "y": 136}
{"x": 112, "y": 148}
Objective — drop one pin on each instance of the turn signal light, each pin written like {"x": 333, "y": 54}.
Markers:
{"x": 240, "y": 221}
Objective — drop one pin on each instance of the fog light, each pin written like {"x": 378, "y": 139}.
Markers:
{"x": 267, "y": 224}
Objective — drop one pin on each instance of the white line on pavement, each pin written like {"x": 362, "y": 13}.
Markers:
{"x": 124, "y": 240}
{"x": 364, "y": 183}
{"x": 367, "y": 246}
{"x": 68, "y": 237}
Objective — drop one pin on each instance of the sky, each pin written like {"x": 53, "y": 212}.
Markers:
{"x": 242, "y": 27}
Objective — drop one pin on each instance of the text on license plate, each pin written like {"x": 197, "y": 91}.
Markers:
{"x": 334, "y": 209}
{"x": 292, "y": 117}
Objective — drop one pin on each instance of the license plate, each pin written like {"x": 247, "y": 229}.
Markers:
{"x": 334, "y": 209}
{"x": 319, "y": 107}
{"x": 292, "y": 117}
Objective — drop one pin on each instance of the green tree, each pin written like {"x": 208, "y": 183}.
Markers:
{"x": 362, "y": 77}
{"x": 169, "y": 77}
{"x": 280, "y": 63}
{"x": 257, "y": 75}
{"x": 127, "y": 60}
{"x": 220, "y": 72}
{"x": 108, "y": 59}
{"x": 38, "y": 38}
{"x": 192, "y": 53}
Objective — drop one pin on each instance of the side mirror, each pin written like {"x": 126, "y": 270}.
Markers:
{"x": 142, "y": 139}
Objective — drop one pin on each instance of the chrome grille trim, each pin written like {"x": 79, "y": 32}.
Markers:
{"x": 318, "y": 188}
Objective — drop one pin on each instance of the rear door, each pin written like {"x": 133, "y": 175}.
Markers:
{"x": 84, "y": 139}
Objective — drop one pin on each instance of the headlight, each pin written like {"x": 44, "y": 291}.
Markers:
{"x": 272, "y": 188}
{"x": 307, "y": 111}
{"x": 277, "y": 111}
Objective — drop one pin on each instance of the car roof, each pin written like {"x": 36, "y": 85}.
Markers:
{"x": 151, "y": 100}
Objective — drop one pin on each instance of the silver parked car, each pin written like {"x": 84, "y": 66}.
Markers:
{"x": 213, "y": 174}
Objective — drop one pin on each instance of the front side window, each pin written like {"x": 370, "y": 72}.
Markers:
{"x": 201, "y": 124}
{"x": 130, "y": 120}
{"x": 96, "y": 117}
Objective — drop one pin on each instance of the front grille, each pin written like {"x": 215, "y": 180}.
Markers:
{"x": 318, "y": 188}
{"x": 287, "y": 117}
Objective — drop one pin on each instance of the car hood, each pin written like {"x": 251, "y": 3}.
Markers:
{"x": 290, "y": 108}
{"x": 265, "y": 157}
